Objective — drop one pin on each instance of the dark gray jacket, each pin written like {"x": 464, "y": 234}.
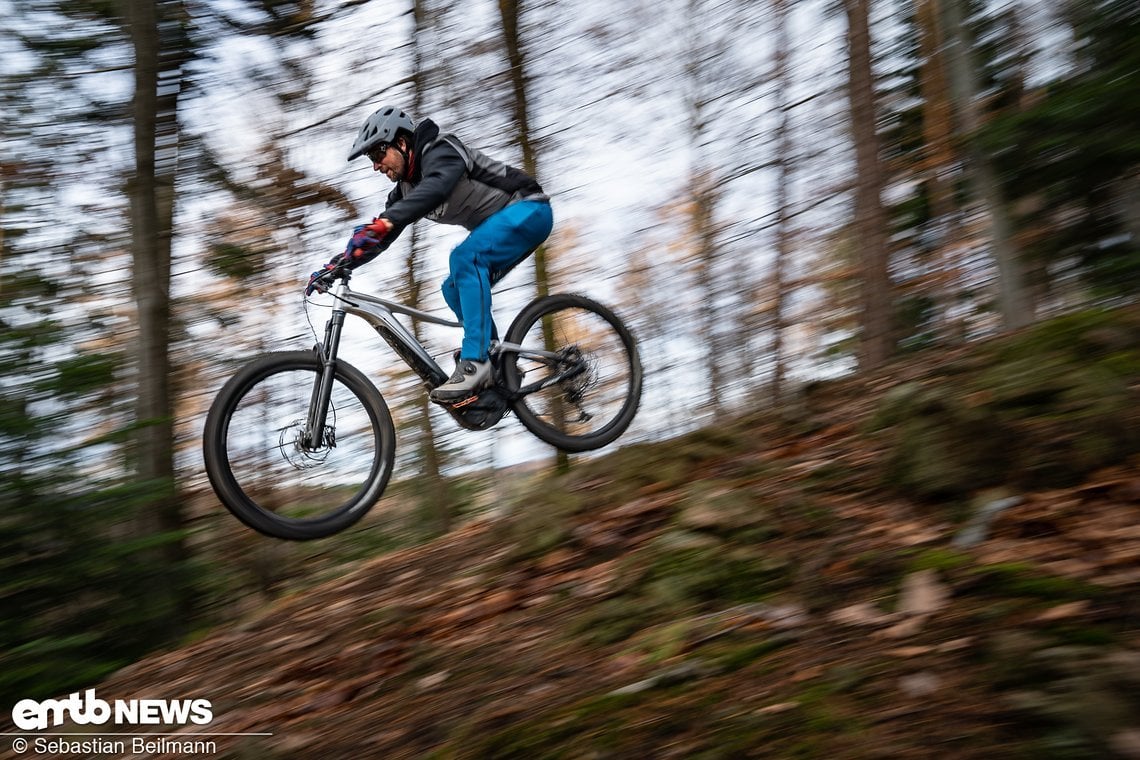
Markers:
{"x": 454, "y": 184}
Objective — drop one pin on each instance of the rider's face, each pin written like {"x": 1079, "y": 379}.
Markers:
{"x": 391, "y": 163}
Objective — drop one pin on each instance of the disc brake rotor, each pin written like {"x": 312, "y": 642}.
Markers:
{"x": 291, "y": 444}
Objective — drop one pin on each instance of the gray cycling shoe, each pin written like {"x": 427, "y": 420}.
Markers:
{"x": 469, "y": 378}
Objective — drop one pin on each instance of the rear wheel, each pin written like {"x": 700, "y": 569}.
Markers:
{"x": 264, "y": 471}
{"x": 578, "y": 372}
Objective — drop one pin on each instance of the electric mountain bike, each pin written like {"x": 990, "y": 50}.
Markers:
{"x": 299, "y": 445}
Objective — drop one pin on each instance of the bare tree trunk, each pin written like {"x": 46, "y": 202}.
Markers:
{"x": 510, "y": 12}
{"x": 704, "y": 201}
{"x": 704, "y": 198}
{"x": 876, "y": 342}
{"x": 1016, "y": 309}
{"x": 154, "y": 112}
{"x": 436, "y": 499}
{"x": 938, "y": 159}
{"x": 783, "y": 181}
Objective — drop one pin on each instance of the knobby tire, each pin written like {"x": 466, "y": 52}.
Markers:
{"x": 246, "y": 501}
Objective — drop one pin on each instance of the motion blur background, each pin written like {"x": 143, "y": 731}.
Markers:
{"x": 771, "y": 193}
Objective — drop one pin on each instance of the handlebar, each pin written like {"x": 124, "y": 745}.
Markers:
{"x": 324, "y": 282}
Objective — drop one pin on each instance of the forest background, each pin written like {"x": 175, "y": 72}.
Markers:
{"x": 770, "y": 193}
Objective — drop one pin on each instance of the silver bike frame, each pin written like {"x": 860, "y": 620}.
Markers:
{"x": 380, "y": 313}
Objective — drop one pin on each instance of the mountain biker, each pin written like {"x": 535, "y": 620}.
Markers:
{"x": 440, "y": 178}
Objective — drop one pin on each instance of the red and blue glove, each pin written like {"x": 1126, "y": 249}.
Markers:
{"x": 367, "y": 240}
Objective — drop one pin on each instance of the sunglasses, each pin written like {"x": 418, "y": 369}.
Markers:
{"x": 377, "y": 153}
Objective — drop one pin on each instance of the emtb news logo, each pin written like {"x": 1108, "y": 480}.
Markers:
{"x": 30, "y": 715}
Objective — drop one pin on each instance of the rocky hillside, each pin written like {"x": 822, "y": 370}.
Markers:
{"x": 941, "y": 562}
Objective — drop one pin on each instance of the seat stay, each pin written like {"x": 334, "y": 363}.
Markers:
{"x": 530, "y": 353}
{"x": 551, "y": 358}
{"x": 554, "y": 379}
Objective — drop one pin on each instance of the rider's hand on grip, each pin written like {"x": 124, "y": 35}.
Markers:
{"x": 367, "y": 239}
{"x": 322, "y": 279}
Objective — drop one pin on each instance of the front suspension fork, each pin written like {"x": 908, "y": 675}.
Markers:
{"x": 314, "y": 437}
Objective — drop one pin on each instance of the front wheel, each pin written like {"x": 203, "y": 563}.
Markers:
{"x": 577, "y": 373}
{"x": 260, "y": 461}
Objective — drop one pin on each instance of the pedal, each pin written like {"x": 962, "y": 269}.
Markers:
{"x": 446, "y": 404}
{"x": 462, "y": 402}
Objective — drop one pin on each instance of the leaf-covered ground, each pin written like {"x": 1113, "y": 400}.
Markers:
{"x": 755, "y": 590}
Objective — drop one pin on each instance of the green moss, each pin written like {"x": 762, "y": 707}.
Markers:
{"x": 724, "y": 509}
{"x": 1044, "y": 408}
{"x": 599, "y": 723}
{"x": 1083, "y": 635}
{"x": 732, "y": 656}
{"x": 703, "y": 575}
{"x": 1015, "y": 579}
{"x": 940, "y": 559}
{"x": 667, "y": 641}
{"x": 616, "y": 620}
{"x": 533, "y": 531}
{"x": 1087, "y": 335}
{"x": 823, "y": 712}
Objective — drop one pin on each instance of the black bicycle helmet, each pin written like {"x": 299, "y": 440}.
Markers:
{"x": 381, "y": 127}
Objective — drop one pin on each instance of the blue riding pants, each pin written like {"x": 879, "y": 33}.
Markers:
{"x": 501, "y": 241}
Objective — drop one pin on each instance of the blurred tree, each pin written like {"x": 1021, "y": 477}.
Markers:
{"x": 943, "y": 289}
{"x": 436, "y": 501}
{"x": 929, "y": 219}
{"x": 514, "y": 45}
{"x": 926, "y": 235}
{"x": 876, "y": 339}
{"x": 71, "y": 560}
{"x": 967, "y": 95}
{"x": 518, "y": 74}
{"x": 939, "y": 160}
{"x": 75, "y": 555}
{"x": 1070, "y": 159}
{"x": 705, "y": 193}
{"x": 719, "y": 88}
{"x": 782, "y": 78}
{"x": 161, "y": 49}
{"x": 650, "y": 320}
